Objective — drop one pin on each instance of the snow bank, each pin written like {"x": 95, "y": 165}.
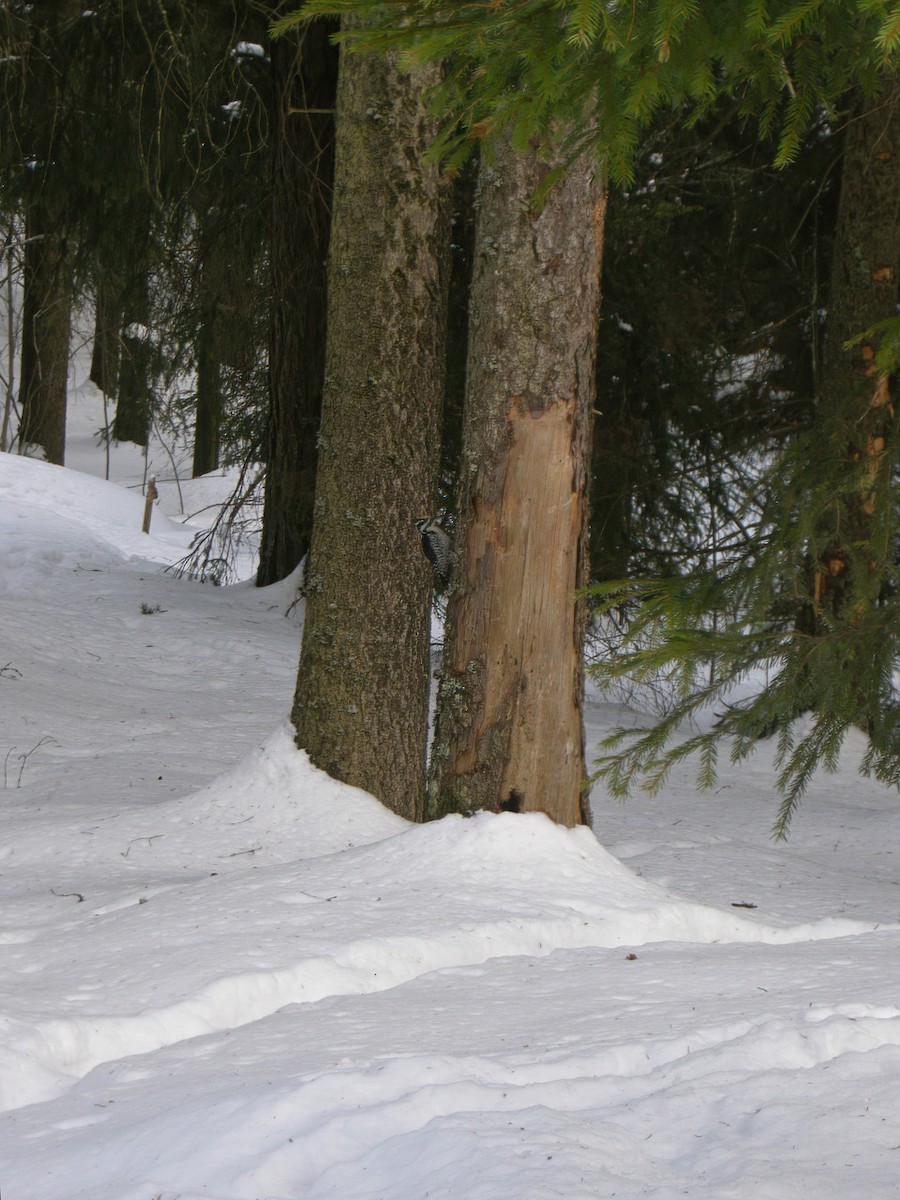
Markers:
{"x": 227, "y": 976}
{"x": 300, "y": 888}
{"x": 55, "y": 518}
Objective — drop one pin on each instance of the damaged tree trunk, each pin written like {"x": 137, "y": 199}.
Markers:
{"x": 509, "y": 732}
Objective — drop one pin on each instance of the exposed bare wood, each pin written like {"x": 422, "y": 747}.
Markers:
{"x": 509, "y": 731}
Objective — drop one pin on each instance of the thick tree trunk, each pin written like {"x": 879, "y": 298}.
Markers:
{"x": 304, "y": 68}
{"x": 509, "y": 731}
{"x": 864, "y": 291}
{"x": 362, "y": 693}
{"x": 46, "y": 320}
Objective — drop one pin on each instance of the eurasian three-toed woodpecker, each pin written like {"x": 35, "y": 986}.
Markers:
{"x": 438, "y": 548}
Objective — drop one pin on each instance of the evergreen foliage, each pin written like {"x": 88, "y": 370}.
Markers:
{"x": 604, "y": 70}
{"x": 800, "y": 616}
{"x": 836, "y": 677}
{"x": 813, "y": 669}
{"x": 712, "y": 291}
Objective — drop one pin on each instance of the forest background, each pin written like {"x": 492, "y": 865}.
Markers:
{"x": 384, "y": 283}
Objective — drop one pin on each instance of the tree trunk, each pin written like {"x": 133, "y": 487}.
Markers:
{"x": 509, "y": 731}
{"x": 864, "y": 291}
{"x": 304, "y": 68}
{"x": 133, "y": 405}
{"x": 106, "y": 348}
{"x": 46, "y": 320}
{"x": 361, "y": 706}
{"x": 461, "y": 261}
{"x": 214, "y": 279}
{"x": 208, "y": 418}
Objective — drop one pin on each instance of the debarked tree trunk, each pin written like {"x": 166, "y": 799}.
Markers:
{"x": 509, "y": 731}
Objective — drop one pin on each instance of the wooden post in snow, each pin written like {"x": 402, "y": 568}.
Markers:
{"x": 152, "y": 495}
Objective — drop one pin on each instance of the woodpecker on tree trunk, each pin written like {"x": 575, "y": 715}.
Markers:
{"x": 438, "y": 549}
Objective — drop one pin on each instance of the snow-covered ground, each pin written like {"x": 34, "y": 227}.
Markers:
{"x": 225, "y": 976}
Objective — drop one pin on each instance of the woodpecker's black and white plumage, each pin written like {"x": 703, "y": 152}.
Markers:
{"x": 438, "y": 548}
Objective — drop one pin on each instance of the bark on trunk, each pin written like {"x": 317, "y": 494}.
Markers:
{"x": 305, "y": 76}
{"x": 509, "y": 731}
{"x": 362, "y": 693}
{"x": 864, "y": 291}
{"x": 46, "y": 320}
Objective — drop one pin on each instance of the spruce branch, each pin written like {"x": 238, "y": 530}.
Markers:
{"x": 608, "y": 69}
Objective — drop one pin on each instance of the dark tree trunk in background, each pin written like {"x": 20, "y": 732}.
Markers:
{"x": 214, "y": 280}
{"x": 208, "y": 418}
{"x": 461, "y": 256}
{"x": 304, "y": 67}
{"x": 133, "y": 403}
{"x": 106, "y": 348}
{"x": 361, "y": 705}
{"x": 46, "y": 320}
{"x": 509, "y": 731}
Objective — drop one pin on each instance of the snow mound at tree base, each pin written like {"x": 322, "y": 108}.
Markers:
{"x": 275, "y": 885}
